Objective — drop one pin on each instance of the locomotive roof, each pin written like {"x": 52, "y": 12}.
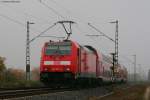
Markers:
{"x": 64, "y": 42}
{"x": 91, "y": 48}
{"x": 59, "y": 43}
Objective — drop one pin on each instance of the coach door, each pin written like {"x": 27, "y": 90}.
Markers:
{"x": 79, "y": 61}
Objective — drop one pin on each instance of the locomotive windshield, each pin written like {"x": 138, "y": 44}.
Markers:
{"x": 58, "y": 49}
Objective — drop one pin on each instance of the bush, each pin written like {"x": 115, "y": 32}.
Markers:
{"x": 20, "y": 84}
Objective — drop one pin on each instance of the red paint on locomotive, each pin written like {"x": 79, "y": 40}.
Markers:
{"x": 69, "y": 60}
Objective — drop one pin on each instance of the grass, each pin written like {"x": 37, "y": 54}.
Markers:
{"x": 135, "y": 92}
{"x": 20, "y": 84}
{"x": 132, "y": 93}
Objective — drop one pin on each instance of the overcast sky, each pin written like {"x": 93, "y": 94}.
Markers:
{"x": 134, "y": 27}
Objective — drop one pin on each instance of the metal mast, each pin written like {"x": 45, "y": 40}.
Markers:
{"x": 134, "y": 68}
{"x": 116, "y": 42}
{"x": 28, "y": 52}
{"x": 113, "y": 67}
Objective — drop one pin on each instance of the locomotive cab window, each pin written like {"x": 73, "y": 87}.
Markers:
{"x": 58, "y": 49}
{"x": 65, "y": 49}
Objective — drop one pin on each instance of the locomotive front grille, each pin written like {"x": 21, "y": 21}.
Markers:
{"x": 57, "y": 76}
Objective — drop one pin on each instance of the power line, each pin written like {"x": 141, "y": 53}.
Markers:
{"x": 10, "y": 1}
{"x": 127, "y": 59}
{"x": 53, "y": 36}
{"x": 80, "y": 29}
{"x": 68, "y": 11}
{"x": 101, "y": 32}
{"x": 94, "y": 35}
{"x": 13, "y": 20}
{"x": 43, "y": 32}
{"x": 93, "y": 39}
{"x": 60, "y": 5}
{"x": 50, "y": 8}
{"x": 21, "y": 24}
{"x": 24, "y": 13}
{"x": 77, "y": 26}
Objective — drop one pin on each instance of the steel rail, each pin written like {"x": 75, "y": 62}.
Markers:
{"x": 29, "y": 92}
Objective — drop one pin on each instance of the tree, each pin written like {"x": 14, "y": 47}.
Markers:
{"x": 13, "y": 74}
{"x": 2, "y": 64}
{"x": 2, "y": 67}
{"x": 35, "y": 73}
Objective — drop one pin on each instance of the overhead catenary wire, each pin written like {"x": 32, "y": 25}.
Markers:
{"x": 10, "y": 1}
{"x": 29, "y": 15}
{"x": 127, "y": 59}
{"x": 43, "y": 32}
{"x": 69, "y": 12}
{"x": 81, "y": 20}
{"x": 25, "y": 13}
{"x": 53, "y": 36}
{"x": 21, "y": 24}
{"x": 98, "y": 44}
{"x": 34, "y": 16}
{"x": 16, "y": 21}
{"x": 101, "y": 32}
{"x": 53, "y": 1}
{"x": 86, "y": 23}
{"x": 13, "y": 20}
{"x": 91, "y": 38}
{"x": 50, "y": 8}
{"x": 37, "y": 17}
{"x": 47, "y": 6}
{"x": 80, "y": 29}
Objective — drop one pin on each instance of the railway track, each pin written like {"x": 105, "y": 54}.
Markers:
{"x": 6, "y": 94}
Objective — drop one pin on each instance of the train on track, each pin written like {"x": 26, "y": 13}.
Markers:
{"x": 67, "y": 62}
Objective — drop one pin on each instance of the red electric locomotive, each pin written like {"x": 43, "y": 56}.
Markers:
{"x": 66, "y": 62}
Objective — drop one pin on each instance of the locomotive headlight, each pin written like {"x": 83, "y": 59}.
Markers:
{"x": 65, "y": 63}
{"x": 46, "y": 69}
{"x": 67, "y": 69}
{"x": 48, "y": 62}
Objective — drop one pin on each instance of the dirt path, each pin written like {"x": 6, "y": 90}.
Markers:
{"x": 135, "y": 92}
{"x": 147, "y": 94}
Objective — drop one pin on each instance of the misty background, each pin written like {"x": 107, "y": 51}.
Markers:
{"x": 133, "y": 16}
